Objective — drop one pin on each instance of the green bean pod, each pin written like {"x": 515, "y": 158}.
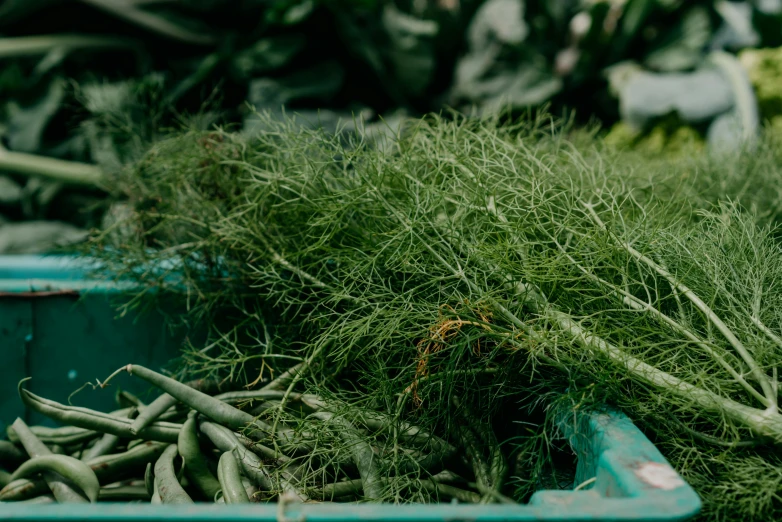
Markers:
{"x": 155, "y": 494}
{"x": 250, "y": 488}
{"x": 110, "y": 468}
{"x": 168, "y": 487}
{"x": 363, "y": 455}
{"x": 73, "y": 469}
{"x": 107, "y": 468}
{"x": 337, "y": 489}
{"x": 128, "y": 400}
{"x": 103, "y": 446}
{"x": 149, "y": 479}
{"x": 248, "y": 395}
{"x": 42, "y": 499}
{"x": 18, "y": 490}
{"x": 284, "y": 379}
{"x": 153, "y": 410}
{"x": 196, "y": 468}
{"x": 93, "y": 420}
{"x": 61, "y": 490}
{"x": 231, "y": 479}
{"x": 161, "y": 405}
{"x": 65, "y": 436}
{"x": 225, "y": 440}
{"x": 123, "y": 493}
{"x": 444, "y": 490}
{"x": 213, "y": 408}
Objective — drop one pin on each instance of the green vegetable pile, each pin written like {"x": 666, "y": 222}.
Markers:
{"x": 505, "y": 265}
{"x": 188, "y": 445}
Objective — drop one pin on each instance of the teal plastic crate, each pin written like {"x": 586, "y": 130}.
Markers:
{"x": 60, "y": 328}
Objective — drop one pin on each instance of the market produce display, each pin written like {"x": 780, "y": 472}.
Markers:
{"x": 481, "y": 266}
{"x": 405, "y": 268}
{"x": 189, "y": 446}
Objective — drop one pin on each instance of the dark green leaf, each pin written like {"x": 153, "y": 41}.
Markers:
{"x": 683, "y": 45}
{"x": 26, "y": 125}
{"x": 412, "y": 50}
{"x": 317, "y": 83}
{"x": 267, "y": 54}
{"x": 498, "y": 20}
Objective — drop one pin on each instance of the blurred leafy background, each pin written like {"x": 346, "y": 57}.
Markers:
{"x": 85, "y": 84}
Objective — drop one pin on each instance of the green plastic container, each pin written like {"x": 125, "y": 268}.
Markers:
{"x": 59, "y": 328}
{"x": 61, "y": 340}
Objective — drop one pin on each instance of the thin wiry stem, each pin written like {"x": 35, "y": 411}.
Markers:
{"x": 757, "y": 372}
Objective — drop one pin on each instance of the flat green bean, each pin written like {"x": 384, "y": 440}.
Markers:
{"x": 231, "y": 479}
{"x": 165, "y": 402}
{"x": 196, "y": 467}
{"x": 42, "y": 499}
{"x": 213, "y": 408}
{"x": 106, "y": 444}
{"x": 362, "y": 453}
{"x": 61, "y": 490}
{"x": 66, "y": 435}
{"x": 337, "y": 489}
{"x": 107, "y": 468}
{"x": 155, "y": 494}
{"x": 149, "y": 479}
{"x": 444, "y": 490}
{"x": 93, "y": 420}
{"x": 284, "y": 379}
{"x": 123, "y": 493}
{"x": 23, "y": 489}
{"x": 168, "y": 487}
{"x": 247, "y": 395}
{"x": 103, "y": 446}
{"x": 225, "y": 440}
{"x": 72, "y": 469}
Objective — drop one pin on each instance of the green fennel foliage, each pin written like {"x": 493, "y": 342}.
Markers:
{"x": 512, "y": 265}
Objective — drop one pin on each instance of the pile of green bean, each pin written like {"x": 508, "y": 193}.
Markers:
{"x": 190, "y": 445}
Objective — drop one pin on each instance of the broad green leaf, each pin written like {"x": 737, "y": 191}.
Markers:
{"x": 38, "y": 237}
{"x": 106, "y": 98}
{"x": 682, "y": 46}
{"x": 317, "y": 83}
{"x": 26, "y": 125}
{"x": 695, "y": 97}
{"x": 411, "y": 52}
{"x": 267, "y": 54}
{"x": 498, "y": 20}
{"x": 736, "y": 31}
{"x": 528, "y": 86}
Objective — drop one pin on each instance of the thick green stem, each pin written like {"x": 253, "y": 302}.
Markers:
{"x": 757, "y": 372}
{"x": 37, "y": 45}
{"x": 69, "y": 172}
{"x": 151, "y": 22}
